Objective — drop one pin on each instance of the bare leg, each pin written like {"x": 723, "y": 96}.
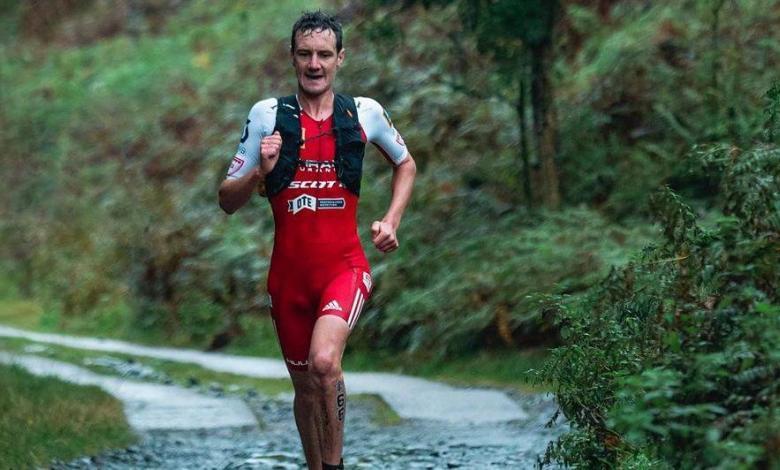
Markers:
{"x": 306, "y": 407}
{"x": 327, "y": 347}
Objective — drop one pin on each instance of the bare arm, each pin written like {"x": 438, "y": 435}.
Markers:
{"x": 234, "y": 193}
{"x": 383, "y": 233}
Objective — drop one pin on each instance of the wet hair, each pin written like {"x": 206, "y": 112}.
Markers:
{"x": 316, "y": 21}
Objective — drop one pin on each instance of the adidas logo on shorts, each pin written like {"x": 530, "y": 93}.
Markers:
{"x": 333, "y": 305}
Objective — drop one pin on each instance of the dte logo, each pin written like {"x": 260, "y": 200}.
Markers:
{"x": 304, "y": 201}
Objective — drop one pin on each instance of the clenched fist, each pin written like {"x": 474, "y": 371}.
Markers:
{"x": 270, "y": 147}
{"x": 383, "y": 236}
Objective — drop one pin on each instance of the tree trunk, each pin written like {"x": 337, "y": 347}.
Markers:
{"x": 545, "y": 128}
{"x": 525, "y": 162}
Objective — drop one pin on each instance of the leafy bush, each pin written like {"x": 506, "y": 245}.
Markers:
{"x": 673, "y": 359}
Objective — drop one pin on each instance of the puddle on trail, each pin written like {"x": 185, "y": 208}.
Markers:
{"x": 422, "y": 444}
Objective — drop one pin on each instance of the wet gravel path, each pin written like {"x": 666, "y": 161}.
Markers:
{"x": 422, "y": 444}
{"x": 455, "y": 440}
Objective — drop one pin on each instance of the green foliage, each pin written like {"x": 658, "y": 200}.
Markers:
{"x": 639, "y": 86}
{"x": 504, "y": 28}
{"x": 772, "y": 113}
{"x": 673, "y": 358}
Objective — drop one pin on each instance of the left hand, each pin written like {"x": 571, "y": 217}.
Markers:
{"x": 383, "y": 236}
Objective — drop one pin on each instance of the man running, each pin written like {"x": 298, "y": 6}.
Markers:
{"x": 305, "y": 152}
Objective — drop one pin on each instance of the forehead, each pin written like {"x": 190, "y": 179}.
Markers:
{"x": 317, "y": 39}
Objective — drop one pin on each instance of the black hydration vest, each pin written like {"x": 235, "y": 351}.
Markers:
{"x": 349, "y": 144}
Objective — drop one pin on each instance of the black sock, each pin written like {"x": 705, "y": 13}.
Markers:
{"x": 327, "y": 466}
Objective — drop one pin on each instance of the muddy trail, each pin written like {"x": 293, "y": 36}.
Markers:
{"x": 457, "y": 439}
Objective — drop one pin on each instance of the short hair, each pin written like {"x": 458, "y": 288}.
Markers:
{"x": 316, "y": 21}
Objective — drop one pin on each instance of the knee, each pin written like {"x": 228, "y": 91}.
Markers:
{"x": 325, "y": 369}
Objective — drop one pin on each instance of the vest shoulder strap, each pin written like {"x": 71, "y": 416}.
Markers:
{"x": 288, "y": 124}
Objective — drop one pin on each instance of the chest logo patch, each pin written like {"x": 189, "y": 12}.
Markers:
{"x": 313, "y": 184}
{"x": 307, "y": 202}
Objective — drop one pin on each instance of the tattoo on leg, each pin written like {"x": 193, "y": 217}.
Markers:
{"x": 341, "y": 400}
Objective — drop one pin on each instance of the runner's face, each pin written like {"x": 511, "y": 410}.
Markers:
{"x": 315, "y": 60}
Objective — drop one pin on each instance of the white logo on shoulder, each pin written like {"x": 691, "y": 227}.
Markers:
{"x": 367, "y": 281}
{"x": 399, "y": 140}
{"x": 235, "y": 165}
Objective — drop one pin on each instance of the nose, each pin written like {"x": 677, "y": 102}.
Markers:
{"x": 314, "y": 63}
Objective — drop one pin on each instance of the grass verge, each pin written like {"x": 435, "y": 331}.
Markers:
{"x": 42, "y": 419}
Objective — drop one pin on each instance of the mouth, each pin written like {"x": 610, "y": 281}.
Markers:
{"x": 314, "y": 76}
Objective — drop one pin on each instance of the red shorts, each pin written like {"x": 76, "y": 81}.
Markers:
{"x": 295, "y": 309}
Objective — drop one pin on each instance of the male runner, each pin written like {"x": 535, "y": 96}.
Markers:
{"x": 306, "y": 151}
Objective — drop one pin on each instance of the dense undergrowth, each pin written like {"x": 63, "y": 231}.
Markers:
{"x": 672, "y": 361}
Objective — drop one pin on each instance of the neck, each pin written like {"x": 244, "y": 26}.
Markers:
{"x": 318, "y": 107}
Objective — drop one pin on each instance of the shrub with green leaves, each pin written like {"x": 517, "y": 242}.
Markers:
{"x": 673, "y": 360}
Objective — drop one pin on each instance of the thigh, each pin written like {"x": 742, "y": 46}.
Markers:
{"x": 345, "y": 295}
{"x": 293, "y": 316}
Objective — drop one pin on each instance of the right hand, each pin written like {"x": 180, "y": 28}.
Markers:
{"x": 270, "y": 148}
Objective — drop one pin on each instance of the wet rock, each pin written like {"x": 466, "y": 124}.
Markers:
{"x": 126, "y": 368}
{"x": 216, "y": 389}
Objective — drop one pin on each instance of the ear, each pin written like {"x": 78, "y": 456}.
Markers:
{"x": 340, "y": 57}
